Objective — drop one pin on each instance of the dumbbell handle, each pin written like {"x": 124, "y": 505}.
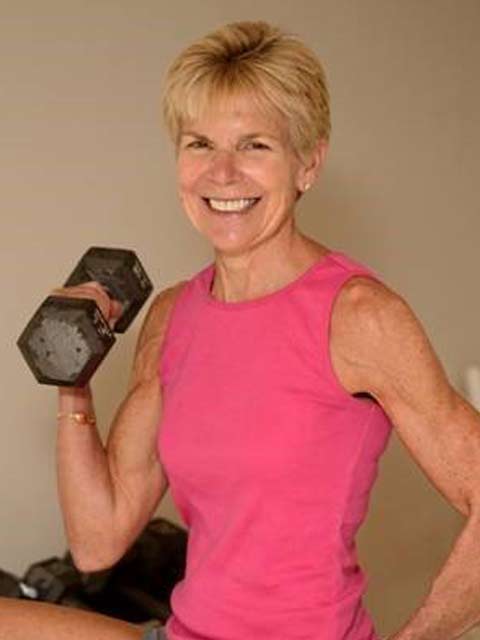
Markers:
{"x": 94, "y": 265}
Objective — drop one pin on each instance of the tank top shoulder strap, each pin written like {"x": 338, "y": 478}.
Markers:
{"x": 172, "y": 296}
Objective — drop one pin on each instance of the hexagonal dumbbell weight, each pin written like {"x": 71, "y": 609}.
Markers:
{"x": 68, "y": 338}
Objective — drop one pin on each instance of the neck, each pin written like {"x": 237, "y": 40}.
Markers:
{"x": 264, "y": 269}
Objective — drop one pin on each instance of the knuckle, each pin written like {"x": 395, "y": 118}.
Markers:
{"x": 91, "y": 291}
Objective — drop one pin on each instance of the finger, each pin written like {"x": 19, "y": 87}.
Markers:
{"x": 102, "y": 301}
{"x": 110, "y": 308}
{"x": 95, "y": 285}
{"x": 115, "y": 312}
{"x": 116, "y": 308}
{"x": 91, "y": 290}
{"x": 57, "y": 292}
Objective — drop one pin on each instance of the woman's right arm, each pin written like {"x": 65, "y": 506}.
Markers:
{"x": 109, "y": 492}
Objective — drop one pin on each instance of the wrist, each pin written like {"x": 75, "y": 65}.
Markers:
{"x": 75, "y": 399}
{"x": 75, "y": 392}
{"x": 77, "y": 417}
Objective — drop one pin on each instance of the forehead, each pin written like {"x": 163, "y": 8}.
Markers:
{"x": 238, "y": 114}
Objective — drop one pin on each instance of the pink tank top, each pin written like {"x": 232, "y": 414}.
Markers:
{"x": 270, "y": 462}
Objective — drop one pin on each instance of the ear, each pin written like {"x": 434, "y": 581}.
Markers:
{"x": 312, "y": 165}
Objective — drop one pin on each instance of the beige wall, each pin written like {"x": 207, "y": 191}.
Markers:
{"x": 84, "y": 162}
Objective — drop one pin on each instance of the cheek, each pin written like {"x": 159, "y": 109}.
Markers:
{"x": 267, "y": 173}
{"x": 187, "y": 175}
{"x": 281, "y": 180}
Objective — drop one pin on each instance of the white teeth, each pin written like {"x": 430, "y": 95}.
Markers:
{"x": 231, "y": 205}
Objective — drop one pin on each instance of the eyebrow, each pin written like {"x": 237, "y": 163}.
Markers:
{"x": 243, "y": 138}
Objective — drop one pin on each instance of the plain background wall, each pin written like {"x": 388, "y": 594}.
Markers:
{"x": 85, "y": 162}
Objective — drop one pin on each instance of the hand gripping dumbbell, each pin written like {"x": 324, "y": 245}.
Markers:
{"x": 68, "y": 338}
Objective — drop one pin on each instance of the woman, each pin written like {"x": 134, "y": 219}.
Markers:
{"x": 276, "y": 374}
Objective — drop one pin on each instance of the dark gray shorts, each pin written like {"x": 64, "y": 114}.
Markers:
{"x": 155, "y": 633}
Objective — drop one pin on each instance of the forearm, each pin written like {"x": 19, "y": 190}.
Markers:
{"x": 108, "y": 493}
{"x": 452, "y": 605}
{"x": 85, "y": 488}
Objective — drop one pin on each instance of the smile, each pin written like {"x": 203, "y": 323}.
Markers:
{"x": 231, "y": 205}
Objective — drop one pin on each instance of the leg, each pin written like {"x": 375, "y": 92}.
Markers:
{"x": 22, "y": 620}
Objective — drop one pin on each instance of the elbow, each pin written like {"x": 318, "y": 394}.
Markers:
{"x": 90, "y": 558}
{"x": 90, "y": 564}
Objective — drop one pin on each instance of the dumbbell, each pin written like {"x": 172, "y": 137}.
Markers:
{"x": 9, "y": 585}
{"x": 68, "y": 338}
{"x": 54, "y": 580}
{"x": 51, "y": 579}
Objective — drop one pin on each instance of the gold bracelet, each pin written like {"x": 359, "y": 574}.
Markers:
{"x": 80, "y": 417}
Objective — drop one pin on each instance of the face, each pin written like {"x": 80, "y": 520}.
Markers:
{"x": 238, "y": 175}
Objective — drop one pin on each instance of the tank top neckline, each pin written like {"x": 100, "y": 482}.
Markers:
{"x": 274, "y": 295}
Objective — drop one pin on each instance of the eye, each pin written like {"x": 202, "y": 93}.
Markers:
{"x": 197, "y": 144}
{"x": 256, "y": 145}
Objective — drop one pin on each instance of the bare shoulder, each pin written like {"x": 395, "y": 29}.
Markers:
{"x": 158, "y": 312}
{"x": 381, "y": 347}
{"x": 152, "y": 333}
{"x": 369, "y": 321}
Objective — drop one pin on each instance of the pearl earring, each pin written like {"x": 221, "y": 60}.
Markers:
{"x": 307, "y": 186}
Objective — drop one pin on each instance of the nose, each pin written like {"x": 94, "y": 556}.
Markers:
{"x": 223, "y": 167}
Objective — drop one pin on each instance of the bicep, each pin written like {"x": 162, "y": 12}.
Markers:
{"x": 392, "y": 358}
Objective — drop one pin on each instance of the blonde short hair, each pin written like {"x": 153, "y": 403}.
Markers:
{"x": 255, "y": 58}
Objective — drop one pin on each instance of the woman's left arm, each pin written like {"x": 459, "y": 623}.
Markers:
{"x": 388, "y": 354}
